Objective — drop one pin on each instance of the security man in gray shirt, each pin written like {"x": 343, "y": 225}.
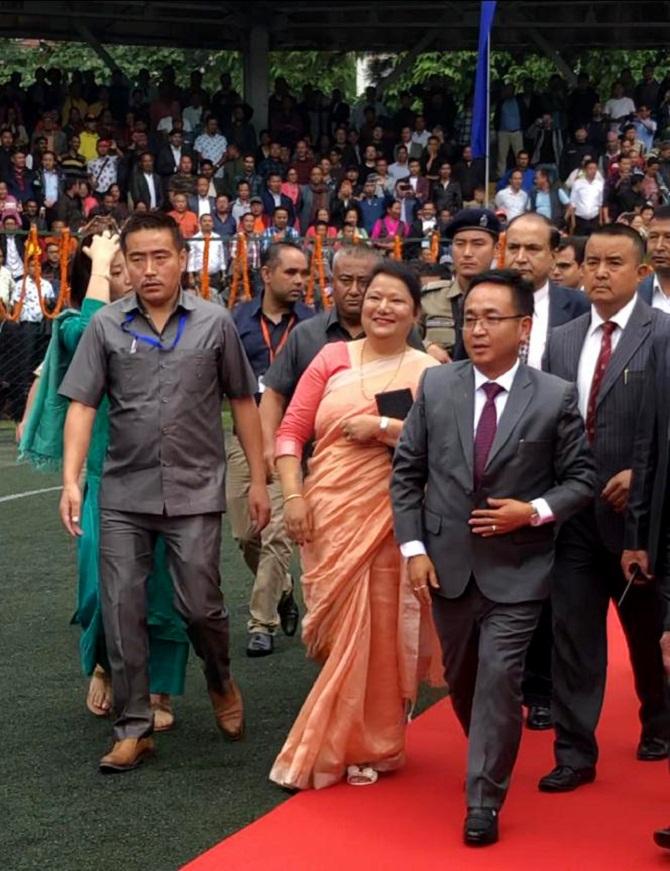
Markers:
{"x": 165, "y": 359}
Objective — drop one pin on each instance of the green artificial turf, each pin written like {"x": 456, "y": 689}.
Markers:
{"x": 57, "y": 813}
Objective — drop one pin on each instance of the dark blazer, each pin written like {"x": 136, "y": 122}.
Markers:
{"x": 619, "y": 399}
{"x": 646, "y": 289}
{"x": 139, "y": 189}
{"x": 165, "y": 162}
{"x": 540, "y": 451}
{"x": 193, "y": 204}
{"x": 269, "y": 205}
{"x": 450, "y": 198}
{"x": 645, "y": 519}
{"x": 20, "y": 246}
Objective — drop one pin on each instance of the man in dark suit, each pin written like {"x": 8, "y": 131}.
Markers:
{"x": 492, "y": 455}
{"x": 655, "y": 288}
{"x": 169, "y": 156}
{"x": 530, "y": 244}
{"x": 145, "y": 184}
{"x": 605, "y": 353}
{"x": 273, "y": 198}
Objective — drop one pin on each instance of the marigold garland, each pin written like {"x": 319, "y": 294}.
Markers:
{"x": 32, "y": 251}
{"x": 317, "y": 269}
{"x": 500, "y": 252}
{"x": 397, "y": 248}
{"x": 435, "y": 246}
{"x": 240, "y": 271}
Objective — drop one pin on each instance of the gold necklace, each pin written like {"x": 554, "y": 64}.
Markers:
{"x": 393, "y": 378}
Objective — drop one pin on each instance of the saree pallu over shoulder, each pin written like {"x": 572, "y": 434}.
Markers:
{"x": 361, "y": 623}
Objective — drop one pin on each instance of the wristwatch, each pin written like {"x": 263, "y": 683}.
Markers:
{"x": 384, "y": 423}
{"x": 535, "y": 519}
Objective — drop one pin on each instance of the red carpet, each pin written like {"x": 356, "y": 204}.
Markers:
{"x": 412, "y": 819}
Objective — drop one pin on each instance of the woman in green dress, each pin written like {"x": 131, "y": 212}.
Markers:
{"x": 99, "y": 270}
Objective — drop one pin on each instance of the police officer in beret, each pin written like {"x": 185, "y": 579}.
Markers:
{"x": 474, "y": 235}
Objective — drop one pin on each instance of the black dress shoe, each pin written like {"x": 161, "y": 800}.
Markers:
{"x": 565, "y": 779}
{"x": 539, "y": 718}
{"x": 652, "y": 749}
{"x": 481, "y": 827}
{"x": 289, "y": 615}
{"x": 662, "y": 838}
{"x": 260, "y": 644}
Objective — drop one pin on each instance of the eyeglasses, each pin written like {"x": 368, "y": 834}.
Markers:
{"x": 489, "y": 322}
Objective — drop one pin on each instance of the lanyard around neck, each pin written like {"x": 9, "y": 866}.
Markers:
{"x": 150, "y": 340}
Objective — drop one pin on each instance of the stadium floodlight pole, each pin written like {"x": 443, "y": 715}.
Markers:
{"x": 487, "y": 167}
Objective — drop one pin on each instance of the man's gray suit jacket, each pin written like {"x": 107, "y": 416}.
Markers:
{"x": 540, "y": 451}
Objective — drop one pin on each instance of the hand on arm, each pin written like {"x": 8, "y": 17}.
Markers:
{"x": 438, "y": 353}
{"x": 501, "y": 517}
{"x": 76, "y": 438}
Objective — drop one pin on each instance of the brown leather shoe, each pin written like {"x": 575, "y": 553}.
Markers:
{"x": 126, "y": 755}
{"x": 229, "y": 711}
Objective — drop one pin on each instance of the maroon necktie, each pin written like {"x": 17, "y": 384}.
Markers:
{"x": 601, "y": 365}
{"x": 486, "y": 430}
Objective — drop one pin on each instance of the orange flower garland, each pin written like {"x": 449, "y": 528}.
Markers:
{"x": 397, "y": 248}
{"x": 33, "y": 252}
{"x": 435, "y": 246}
{"x": 240, "y": 271}
{"x": 317, "y": 269}
{"x": 500, "y": 252}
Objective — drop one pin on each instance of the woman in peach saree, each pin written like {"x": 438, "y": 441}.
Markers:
{"x": 362, "y": 622}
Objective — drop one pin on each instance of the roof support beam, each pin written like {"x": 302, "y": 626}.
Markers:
{"x": 553, "y": 54}
{"x": 95, "y": 44}
{"x": 407, "y": 61}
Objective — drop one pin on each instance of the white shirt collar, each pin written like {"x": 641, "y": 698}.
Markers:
{"x": 656, "y": 288}
{"x": 621, "y": 318}
{"x": 541, "y": 293}
{"x": 505, "y": 380}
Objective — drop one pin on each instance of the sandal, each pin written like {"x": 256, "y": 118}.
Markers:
{"x": 164, "y": 718}
{"x": 99, "y": 695}
{"x": 361, "y": 775}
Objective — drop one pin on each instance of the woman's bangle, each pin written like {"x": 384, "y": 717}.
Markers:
{"x": 293, "y": 496}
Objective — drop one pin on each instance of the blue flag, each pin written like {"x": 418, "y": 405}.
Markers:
{"x": 480, "y": 120}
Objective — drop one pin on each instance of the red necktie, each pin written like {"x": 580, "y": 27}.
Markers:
{"x": 601, "y": 365}
{"x": 486, "y": 430}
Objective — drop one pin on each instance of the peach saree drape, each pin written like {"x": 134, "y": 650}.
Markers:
{"x": 362, "y": 623}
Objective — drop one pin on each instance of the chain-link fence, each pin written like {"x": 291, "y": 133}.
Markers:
{"x": 22, "y": 349}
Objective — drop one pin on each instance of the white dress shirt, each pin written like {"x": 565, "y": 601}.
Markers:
{"x": 660, "y": 299}
{"x": 31, "y": 311}
{"x": 587, "y": 197}
{"x": 544, "y": 512}
{"x": 216, "y": 262}
{"x": 591, "y": 349}
{"x": 152, "y": 190}
{"x": 513, "y": 202}
{"x": 204, "y": 206}
{"x": 540, "y": 328}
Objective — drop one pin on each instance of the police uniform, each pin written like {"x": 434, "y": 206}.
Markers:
{"x": 441, "y": 300}
{"x": 440, "y": 319}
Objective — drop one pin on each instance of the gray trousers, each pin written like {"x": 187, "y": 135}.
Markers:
{"x": 484, "y": 646}
{"x": 126, "y": 553}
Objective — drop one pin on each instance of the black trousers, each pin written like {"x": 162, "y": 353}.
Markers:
{"x": 585, "y": 226}
{"x": 587, "y": 577}
{"x": 127, "y": 544}
{"x": 484, "y": 646}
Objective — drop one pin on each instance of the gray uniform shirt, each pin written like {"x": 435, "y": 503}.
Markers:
{"x": 166, "y": 452}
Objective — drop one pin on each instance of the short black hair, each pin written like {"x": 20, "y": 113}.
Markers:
{"x": 396, "y": 269}
{"x": 522, "y": 288}
{"x": 577, "y": 243}
{"x": 151, "y": 221}
{"x": 623, "y": 231}
{"x": 272, "y": 256}
{"x": 662, "y": 213}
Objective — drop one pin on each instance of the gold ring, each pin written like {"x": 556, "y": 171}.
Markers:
{"x": 493, "y": 528}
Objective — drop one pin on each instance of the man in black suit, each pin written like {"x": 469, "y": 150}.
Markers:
{"x": 169, "y": 156}
{"x": 655, "y": 288}
{"x": 273, "y": 198}
{"x": 605, "y": 353}
{"x": 530, "y": 245}
{"x": 145, "y": 184}
{"x": 492, "y": 455}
